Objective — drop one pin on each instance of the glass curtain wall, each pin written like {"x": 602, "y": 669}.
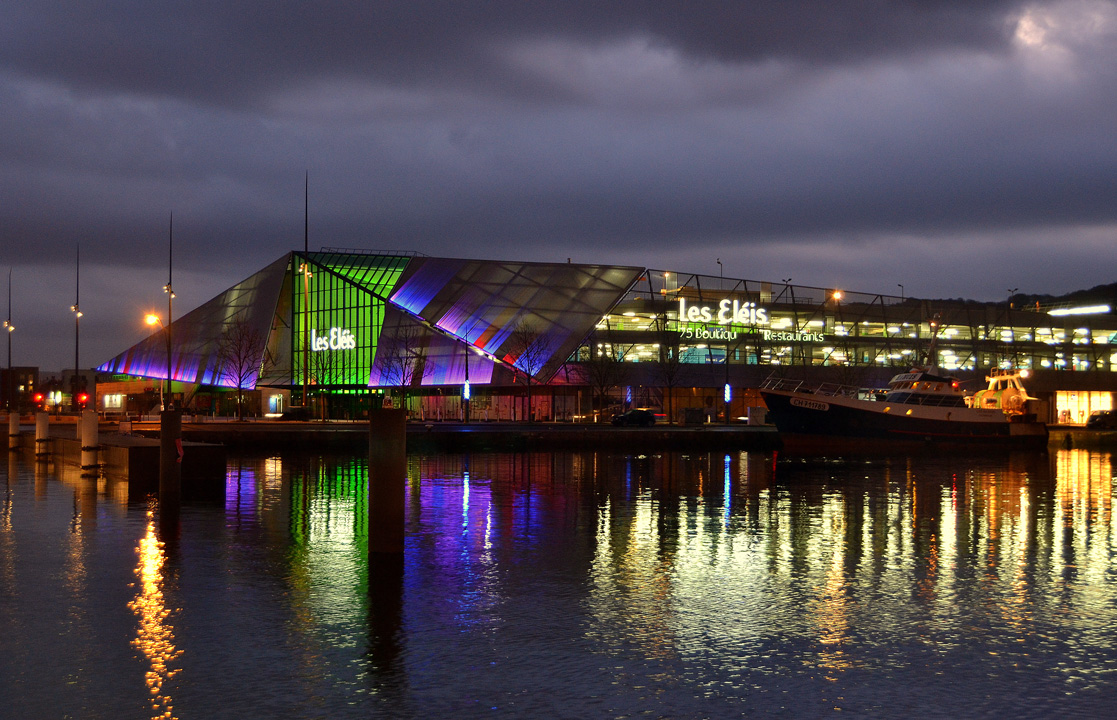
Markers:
{"x": 702, "y": 319}
{"x": 335, "y": 324}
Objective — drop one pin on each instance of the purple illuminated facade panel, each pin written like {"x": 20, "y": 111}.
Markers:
{"x": 484, "y": 302}
{"x": 197, "y": 335}
{"x": 453, "y": 308}
{"x": 409, "y": 353}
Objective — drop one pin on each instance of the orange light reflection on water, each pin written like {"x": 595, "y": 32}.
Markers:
{"x": 155, "y": 636}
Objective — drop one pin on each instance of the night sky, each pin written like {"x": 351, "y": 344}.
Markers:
{"x": 961, "y": 149}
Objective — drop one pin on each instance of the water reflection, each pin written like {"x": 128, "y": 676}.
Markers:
{"x": 155, "y": 635}
{"x": 582, "y": 584}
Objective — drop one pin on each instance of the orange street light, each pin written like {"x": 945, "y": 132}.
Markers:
{"x": 153, "y": 319}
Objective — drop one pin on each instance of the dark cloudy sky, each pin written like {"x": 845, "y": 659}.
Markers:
{"x": 960, "y": 148}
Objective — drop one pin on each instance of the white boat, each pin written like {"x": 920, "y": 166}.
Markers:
{"x": 919, "y": 406}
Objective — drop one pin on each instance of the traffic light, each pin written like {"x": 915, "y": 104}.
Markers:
{"x": 83, "y": 398}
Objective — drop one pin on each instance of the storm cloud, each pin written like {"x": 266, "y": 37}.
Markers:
{"x": 957, "y": 148}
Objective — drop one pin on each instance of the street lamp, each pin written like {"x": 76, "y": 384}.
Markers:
{"x": 304, "y": 270}
{"x": 153, "y": 319}
{"x": 10, "y": 328}
{"x": 901, "y": 286}
{"x": 720, "y": 273}
{"x": 74, "y": 382}
{"x": 1008, "y": 321}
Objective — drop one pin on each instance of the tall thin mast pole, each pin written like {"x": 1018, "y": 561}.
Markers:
{"x": 74, "y": 382}
{"x": 9, "y": 328}
{"x": 77, "y": 300}
{"x": 170, "y": 297}
{"x": 306, "y": 287}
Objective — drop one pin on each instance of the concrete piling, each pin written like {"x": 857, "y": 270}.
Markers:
{"x": 387, "y": 480}
{"x": 13, "y": 430}
{"x": 42, "y": 435}
{"x": 90, "y": 448}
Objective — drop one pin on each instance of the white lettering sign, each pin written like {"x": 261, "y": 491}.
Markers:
{"x": 810, "y": 404}
{"x": 729, "y": 312}
{"x": 338, "y": 339}
{"x": 690, "y": 332}
{"x": 796, "y": 336}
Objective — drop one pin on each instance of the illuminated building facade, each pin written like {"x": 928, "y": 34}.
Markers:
{"x": 338, "y": 323}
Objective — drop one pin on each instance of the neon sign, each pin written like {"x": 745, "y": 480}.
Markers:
{"x": 729, "y": 312}
{"x": 794, "y": 336}
{"x": 338, "y": 339}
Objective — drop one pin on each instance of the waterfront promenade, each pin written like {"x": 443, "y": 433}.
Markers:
{"x": 455, "y": 435}
{"x": 433, "y": 436}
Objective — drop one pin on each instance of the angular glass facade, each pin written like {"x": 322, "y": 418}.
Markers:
{"x": 344, "y": 321}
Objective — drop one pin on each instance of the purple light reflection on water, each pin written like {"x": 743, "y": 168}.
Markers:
{"x": 573, "y": 584}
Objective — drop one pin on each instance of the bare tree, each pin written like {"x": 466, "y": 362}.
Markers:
{"x": 532, "y": 349}
{"x": 669, "y": 364}
{"x": 604, "y": 369}
{"x": 241, "y": 359}
{"x": 324, "y": 370}
{"x": 404, "y": 354}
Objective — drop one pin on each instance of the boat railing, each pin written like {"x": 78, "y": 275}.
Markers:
{"x": 813, "y": 388}
{"x": 928, "y": 399}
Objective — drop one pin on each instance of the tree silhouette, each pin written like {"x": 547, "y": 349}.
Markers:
{"x": 532, "y": 349}
{"x": 241, "y": 359}
{"x": 404, "y": 354}
{"x": 604, "y": 368}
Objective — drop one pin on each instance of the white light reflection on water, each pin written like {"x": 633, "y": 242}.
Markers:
{"x": 587, "y": 585}
{"x": 854, "y": 571}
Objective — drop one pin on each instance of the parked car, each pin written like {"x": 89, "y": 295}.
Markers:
{"x": 636, "y": 417}
{"x": 1102, "y": 420}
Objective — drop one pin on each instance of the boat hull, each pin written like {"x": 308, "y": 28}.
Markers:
{"x": 804, "y": 417}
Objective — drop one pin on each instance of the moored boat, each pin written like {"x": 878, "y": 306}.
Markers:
{"x": 919, "y": 406}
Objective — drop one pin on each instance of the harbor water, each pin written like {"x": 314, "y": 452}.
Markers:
{"x": 569, "y": 585}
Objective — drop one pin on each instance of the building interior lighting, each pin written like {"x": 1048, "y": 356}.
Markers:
{"x": 1083, "y": 310}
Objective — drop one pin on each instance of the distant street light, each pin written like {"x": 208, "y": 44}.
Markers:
{"x": 901, "y": 286}
{"x": 75, "y": 383}
{"x": 720, "y": 269}
{"x": 10, "y": 328}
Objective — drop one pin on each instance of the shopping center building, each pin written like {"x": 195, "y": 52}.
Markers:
{"x": 336, "y": 331}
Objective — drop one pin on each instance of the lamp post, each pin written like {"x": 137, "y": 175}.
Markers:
{"x": 10, "y": 328}
{"x": 75, "y": 309}
{"x": 153, "y": 319}
{"x": 901, "y": 286}
{"x": 170, "y": 306}
{"x": 304, "y": 270}
{"x": 1008, "y": 322}
{"x": 720, "y": 273}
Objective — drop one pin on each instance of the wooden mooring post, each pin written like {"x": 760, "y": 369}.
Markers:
{"x": 387, "y": 480}
{"x": 170, "y": 465}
